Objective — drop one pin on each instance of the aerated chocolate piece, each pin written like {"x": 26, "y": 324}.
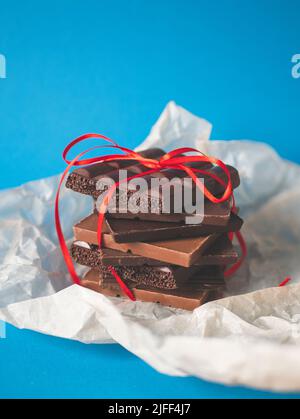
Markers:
{"x": 158, "y": 204}
{"x": 84, "y": 180}
{"x": 87, "y": 180}
{"x": 177, "y": 176}
{"x": 183, "y": 251}
{"x": 164, "y": 277}
{"x": 90, "y": 255}
{"x": 186, "y": 299}
{"x": 167, "y": 277}
{"x": 221, "y": 253}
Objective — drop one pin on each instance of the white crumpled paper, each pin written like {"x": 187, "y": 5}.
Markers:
{"x": 251, "y": 337}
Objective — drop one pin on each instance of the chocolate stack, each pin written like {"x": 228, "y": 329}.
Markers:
{"x": 158, "y": 256}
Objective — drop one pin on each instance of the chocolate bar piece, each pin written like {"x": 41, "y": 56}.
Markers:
{"x": 87, "y": 180}
{"x": 221, "y": 253}
{"x": 212, "y": 215}
{"x": 177, "y": 176}
{"x": 210, "y": 278}
{"x": 154, "y": 205}
{"x": 168, "y": 276}
{"x": 90, "y": 255}
{"x": 125, "y": 231}
{"x": 164, "y": 277}
{"x": 186, "y": 299}
{"x": 84, "y": 180}
{"x": 183, "y": 252}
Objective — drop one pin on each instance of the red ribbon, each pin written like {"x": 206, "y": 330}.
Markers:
{"x": 172, "y": 160}
{"x": 285, "y": 281}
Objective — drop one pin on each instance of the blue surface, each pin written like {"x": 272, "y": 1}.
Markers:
{"x": 77, "y": 66}
{"x": 42, "y": 366}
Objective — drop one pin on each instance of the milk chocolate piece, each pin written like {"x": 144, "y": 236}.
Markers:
{"x": 180, "y": 298}
{"x": 183, "y": 252}
{"x": 84, "y": 180}
{"x": 125, "y": 231}
{"x": 220, "y": 253}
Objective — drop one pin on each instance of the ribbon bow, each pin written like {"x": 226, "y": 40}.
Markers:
{"x": 171, "y": 160}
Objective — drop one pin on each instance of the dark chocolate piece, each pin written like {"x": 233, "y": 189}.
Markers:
{"x": 87, "y": 180}
{"x": 164, "y": 277}
{"x": 84, "y": 180}
{"x": 220, "y": 253}
{"x": 213, "y": 185}
{"x": 168, "y": 277}
{"x": 154, "y": 205}
{"x": 213, "y": 215}
{"x": 183, "y": 252}
{"x": 186, "y": 299}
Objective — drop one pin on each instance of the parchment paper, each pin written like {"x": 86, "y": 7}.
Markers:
{"x": 252, "y": 337}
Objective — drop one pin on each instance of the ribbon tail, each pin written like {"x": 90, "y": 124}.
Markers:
{"x": 60, "y": 235}
{"x": 230, "y": 271}
{"x": 284, "y": 282}
{"x": 122, "y": 285}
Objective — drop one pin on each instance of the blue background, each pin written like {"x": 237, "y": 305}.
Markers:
{"x": 111, "y": 66}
